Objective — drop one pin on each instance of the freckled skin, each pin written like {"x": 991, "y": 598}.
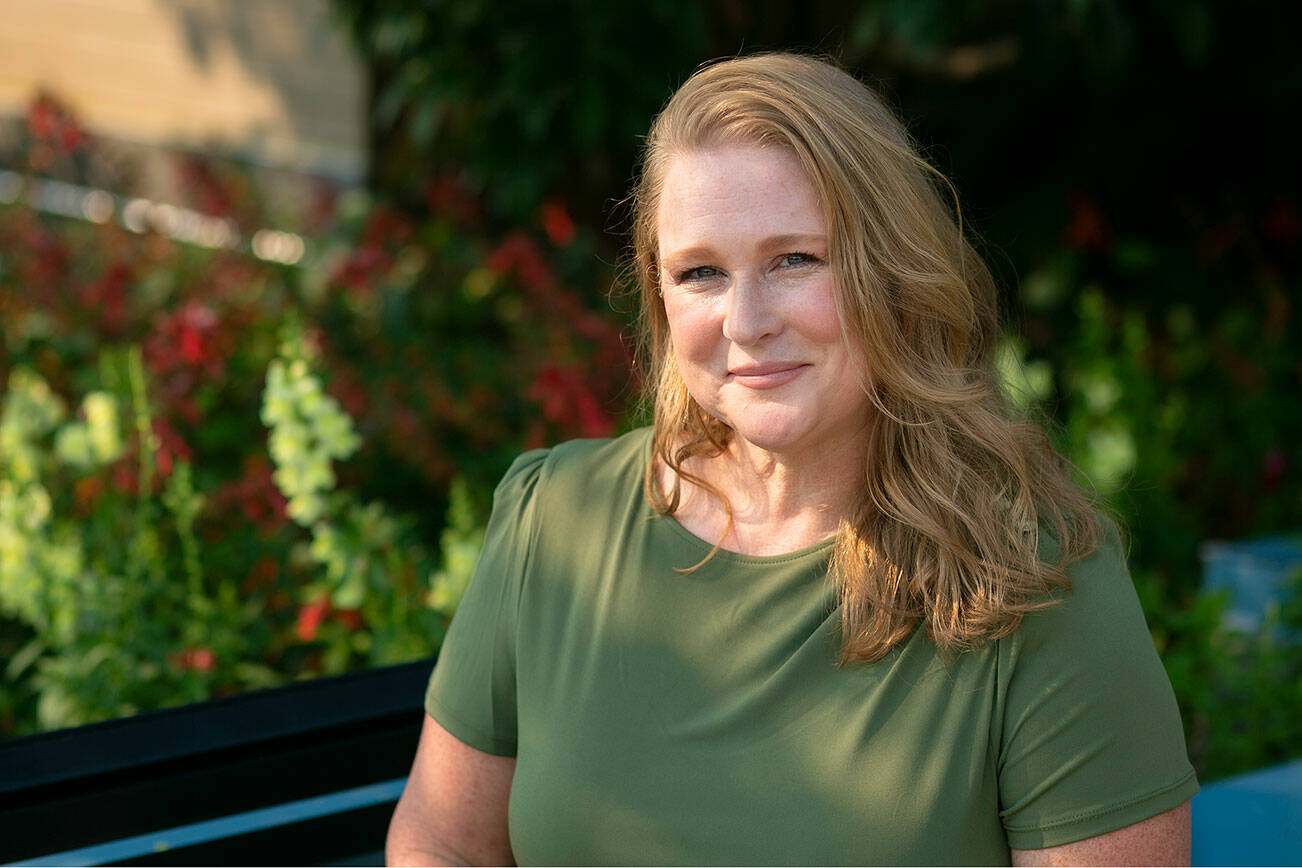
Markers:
{"x": 746, "y": 283}
{"x": 1160, "y": 840}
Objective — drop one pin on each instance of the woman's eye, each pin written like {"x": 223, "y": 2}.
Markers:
{"x": 799, "y": 259}
{"x": 703, "y": 272}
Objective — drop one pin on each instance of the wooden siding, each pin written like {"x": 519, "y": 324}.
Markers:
{"x": 271, "y": 81}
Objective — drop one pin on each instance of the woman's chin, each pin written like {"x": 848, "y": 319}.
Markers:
{"x": 777, "y": 439}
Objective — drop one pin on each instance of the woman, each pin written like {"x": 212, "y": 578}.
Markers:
{"x": 835, "y": 606}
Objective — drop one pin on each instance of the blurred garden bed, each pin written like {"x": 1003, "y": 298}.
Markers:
{"x": 149, "y": 555}
{"x": 174, "y": 523}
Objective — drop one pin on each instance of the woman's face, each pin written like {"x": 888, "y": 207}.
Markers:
{"x": 748, "y": 292}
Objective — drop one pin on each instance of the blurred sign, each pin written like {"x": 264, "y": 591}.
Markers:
{"x": 1251, "y": 819}
{"x": 1256, "y": 573}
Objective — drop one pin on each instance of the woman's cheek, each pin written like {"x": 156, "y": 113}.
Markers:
{"x": 694, "y": 330}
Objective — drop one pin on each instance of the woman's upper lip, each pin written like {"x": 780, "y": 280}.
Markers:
{"x": 759, "y": 370}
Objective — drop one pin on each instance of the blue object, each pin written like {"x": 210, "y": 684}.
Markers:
{"x": 143, "y": 846}
{"x": 1255, "y": 572}
{"x": 1250, "y": 819}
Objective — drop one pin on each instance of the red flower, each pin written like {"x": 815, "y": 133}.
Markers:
{"x": 197, "y": 659}
{"x": 191, "y": 344}
{"x": 311, "y": 616}
{"x": 70, "y": 137}
{"x": 566, "y": 400}
{"x": 519, "y": 255}
{"x": 106, "y": 298}
{"x": 42, "y": 117}
{"x": 188, "y": 338}
{"x": 49, "y": 121}
{"x": 557, "y": 224}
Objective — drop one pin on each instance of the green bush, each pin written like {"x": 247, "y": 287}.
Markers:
{"x": 220, "y": 473}
{"x": 1120, "y": 163}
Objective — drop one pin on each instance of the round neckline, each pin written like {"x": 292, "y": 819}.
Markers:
{"x": 705, "y": 548}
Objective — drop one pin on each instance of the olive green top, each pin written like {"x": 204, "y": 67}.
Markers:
{"x": 667, "y": 717}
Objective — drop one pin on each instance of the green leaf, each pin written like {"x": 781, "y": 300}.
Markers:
{"x": 24, "y": 658}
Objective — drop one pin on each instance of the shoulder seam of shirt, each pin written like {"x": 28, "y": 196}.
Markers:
{"x": 1090, "y": 815}
{"x": 543, "y": 466}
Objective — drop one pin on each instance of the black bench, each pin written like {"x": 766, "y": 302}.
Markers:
{"x": 306, "y": 774}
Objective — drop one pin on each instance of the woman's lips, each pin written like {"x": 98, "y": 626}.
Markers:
{"x": 766, "y": 376}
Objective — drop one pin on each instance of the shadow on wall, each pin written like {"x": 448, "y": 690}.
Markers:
{"x": 289, "y": 44}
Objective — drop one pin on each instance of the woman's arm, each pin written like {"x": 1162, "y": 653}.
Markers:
{"x": 453, "y": 810}
{"x": 1160, "y": 840}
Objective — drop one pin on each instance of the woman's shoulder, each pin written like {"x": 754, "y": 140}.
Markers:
{"x": 1087, "y": 728}
{"x": 582, "y": 468}
{"x": 1099, "y": 607}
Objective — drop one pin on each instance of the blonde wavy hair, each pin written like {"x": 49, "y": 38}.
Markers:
{"x": 956, "y": 491}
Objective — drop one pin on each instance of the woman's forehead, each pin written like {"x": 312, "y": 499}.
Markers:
{"x": 736, "y": 190}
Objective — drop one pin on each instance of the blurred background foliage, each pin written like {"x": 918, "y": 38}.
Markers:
{"x": 1123, "y": 167}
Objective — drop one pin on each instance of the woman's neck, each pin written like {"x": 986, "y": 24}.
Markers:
{"x": 780, "y": 503}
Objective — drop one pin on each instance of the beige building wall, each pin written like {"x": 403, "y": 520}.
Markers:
{"x": 274, "y": 82}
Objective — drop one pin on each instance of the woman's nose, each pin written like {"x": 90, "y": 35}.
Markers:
{"x": 750, "y": 314}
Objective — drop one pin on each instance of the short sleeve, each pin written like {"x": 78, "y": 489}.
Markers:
{"x": 1090, "y": 734}
{"x": 472, "y": 691}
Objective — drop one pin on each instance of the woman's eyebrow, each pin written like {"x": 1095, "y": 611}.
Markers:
{"x": 683, "y": 254}
{"x": 785, "y": 241}
{"x": 793, "y": 239}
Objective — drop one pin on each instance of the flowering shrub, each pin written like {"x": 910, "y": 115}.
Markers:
{"x": 111, "y": 596}
{"x": 374, "y": 572}
{"x": 220, "y": 473}
{"x": 412, "y": 354}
